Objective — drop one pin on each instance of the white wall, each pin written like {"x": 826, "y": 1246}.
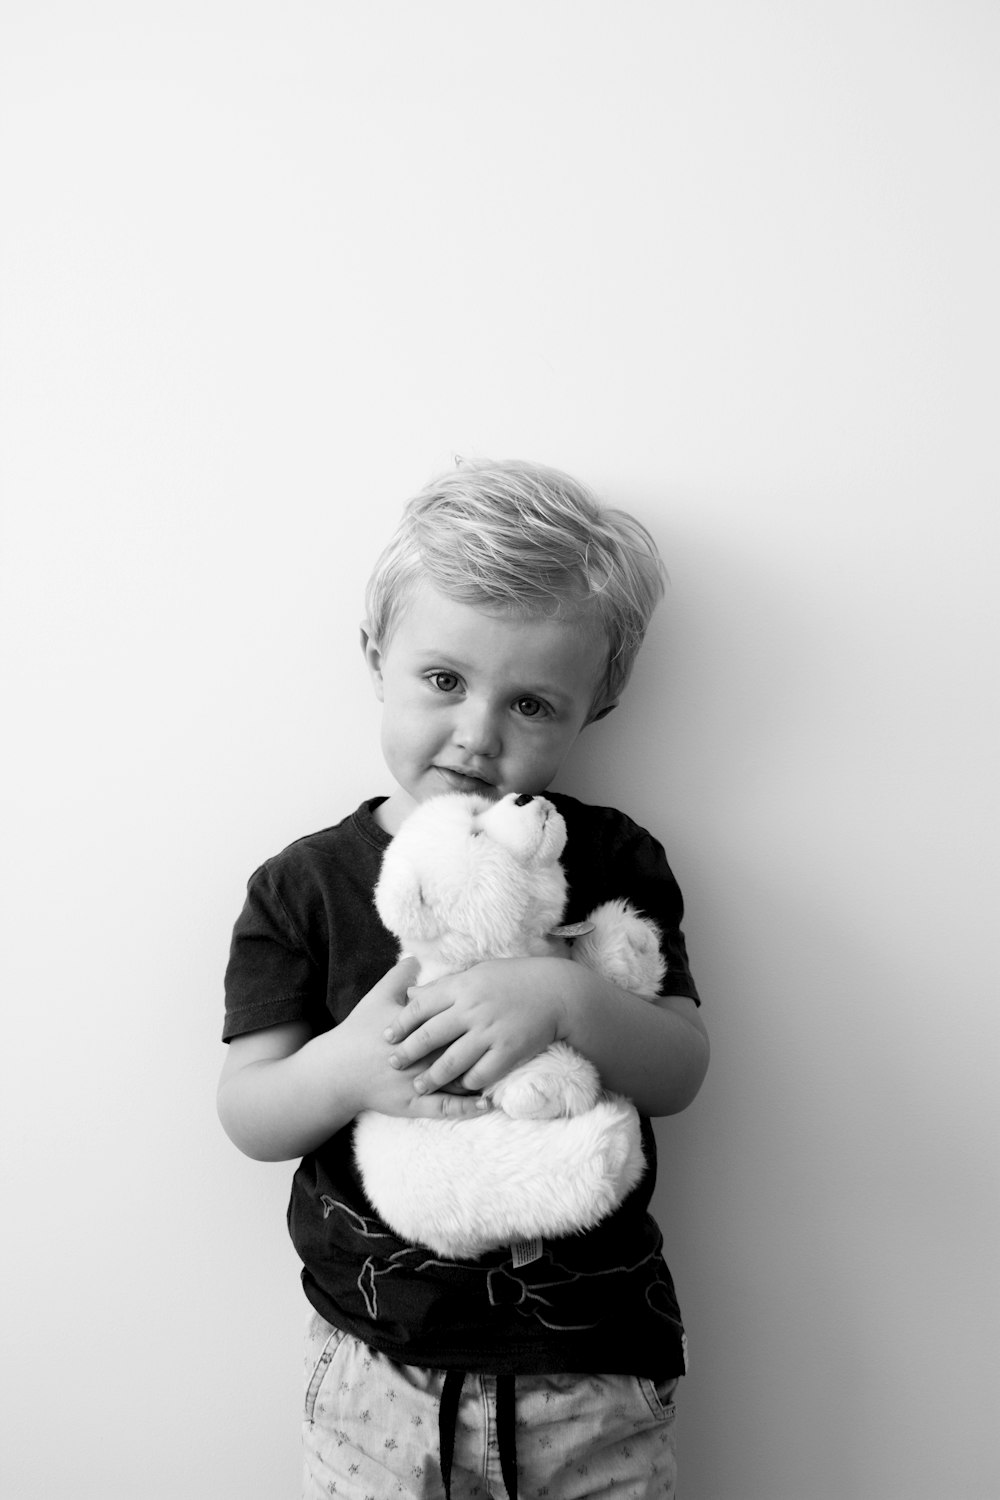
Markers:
{"x": 266, "y": 267}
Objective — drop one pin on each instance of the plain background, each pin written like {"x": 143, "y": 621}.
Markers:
{"x": 266, "y": 267}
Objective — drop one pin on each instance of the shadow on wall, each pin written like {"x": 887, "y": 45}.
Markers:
{"x": 792, "y": 1194}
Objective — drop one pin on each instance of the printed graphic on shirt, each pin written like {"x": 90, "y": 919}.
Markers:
{"x": 557, "y": 1296}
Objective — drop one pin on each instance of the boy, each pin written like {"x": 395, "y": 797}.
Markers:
{"x": 503, "y": 617}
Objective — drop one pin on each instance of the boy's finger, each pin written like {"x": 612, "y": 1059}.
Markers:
{"x": 428, "y": 1047}
{"x": 399, "y": 979}
{"x": 448, "y": 1067}
{"x": 417, "y": 1010}
{"x": 449, "y": 1106}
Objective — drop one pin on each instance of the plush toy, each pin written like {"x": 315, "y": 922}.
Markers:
{"x": 467, "y": 879}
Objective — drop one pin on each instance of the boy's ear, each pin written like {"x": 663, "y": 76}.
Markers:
{"x": 373, "y": 659}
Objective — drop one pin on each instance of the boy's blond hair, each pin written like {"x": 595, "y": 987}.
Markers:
{"x": 530, "y": 539}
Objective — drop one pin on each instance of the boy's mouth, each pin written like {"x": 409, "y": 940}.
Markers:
{"x": 465, "y": 781}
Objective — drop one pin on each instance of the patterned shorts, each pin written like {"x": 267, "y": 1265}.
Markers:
{"x": 371, "y": 1431}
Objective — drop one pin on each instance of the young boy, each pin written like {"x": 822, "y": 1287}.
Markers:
{"x": 503, "y": 617}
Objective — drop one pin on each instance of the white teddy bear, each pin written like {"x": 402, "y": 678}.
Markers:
{"x": 467, "y": 879}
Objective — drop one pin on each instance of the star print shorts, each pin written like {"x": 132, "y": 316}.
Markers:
{"x": 373, "y": 1430}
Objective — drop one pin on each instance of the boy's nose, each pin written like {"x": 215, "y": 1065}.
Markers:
{"x": 477, "y": 731}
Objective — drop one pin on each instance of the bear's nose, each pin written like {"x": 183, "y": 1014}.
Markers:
{"x": 523, "y": 800}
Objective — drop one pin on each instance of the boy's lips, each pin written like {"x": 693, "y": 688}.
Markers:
{"x": 465, "y": 781}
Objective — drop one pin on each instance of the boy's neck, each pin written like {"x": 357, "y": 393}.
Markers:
{"x": 391, "y": 814}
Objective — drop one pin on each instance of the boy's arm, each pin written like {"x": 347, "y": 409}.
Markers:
{"x": 655, "y": 1052}
{"x": 283, "y": 1091}
{"x": 500, "y": 1013}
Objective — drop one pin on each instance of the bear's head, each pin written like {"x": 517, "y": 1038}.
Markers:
{"x": 467, "y": 878}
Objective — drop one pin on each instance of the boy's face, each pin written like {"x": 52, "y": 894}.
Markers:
{"x": 478, "y": 701}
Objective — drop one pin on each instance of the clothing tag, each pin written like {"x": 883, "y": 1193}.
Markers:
{"x": 524, "y": 1252}
{"x": 573, "y": 929}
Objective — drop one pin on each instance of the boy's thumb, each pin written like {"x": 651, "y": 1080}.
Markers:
{"x": 403, "y": 976}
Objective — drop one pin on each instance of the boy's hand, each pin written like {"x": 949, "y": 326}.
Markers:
{"x": 482, "y": 1023}
{"x": 388, "y": 1087}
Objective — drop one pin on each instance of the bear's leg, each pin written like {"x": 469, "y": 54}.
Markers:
{"x": 558, "y": 1082}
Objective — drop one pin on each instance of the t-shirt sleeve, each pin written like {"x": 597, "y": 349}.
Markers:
{"x": 271, "y": 977}
{"x": 611, "y": 857}
{"x": 653, "y": 890}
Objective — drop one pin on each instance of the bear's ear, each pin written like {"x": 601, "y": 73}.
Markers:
{"x": 399, "y": 901}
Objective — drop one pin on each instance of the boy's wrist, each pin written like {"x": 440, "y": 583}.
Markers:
{"x": 344, "y": 1065}
{"x": 579, "y": 988}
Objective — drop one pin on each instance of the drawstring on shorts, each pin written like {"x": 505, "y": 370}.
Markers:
{"x": 451, "y": 1393}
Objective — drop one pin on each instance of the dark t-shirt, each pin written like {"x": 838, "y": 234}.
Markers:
{"x": 306, "y": 947}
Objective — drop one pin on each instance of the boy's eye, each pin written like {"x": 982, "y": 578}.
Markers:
{"x": 445, "y": 682}
{"x": 530, "y": 708}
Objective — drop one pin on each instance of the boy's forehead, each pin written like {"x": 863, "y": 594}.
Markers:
{"x": 422, "y": 594}
{"x": 430, "y": 620}
{"x": 427, "y": 608}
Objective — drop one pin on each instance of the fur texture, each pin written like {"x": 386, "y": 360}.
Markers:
{"x": 466, "y": 879}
